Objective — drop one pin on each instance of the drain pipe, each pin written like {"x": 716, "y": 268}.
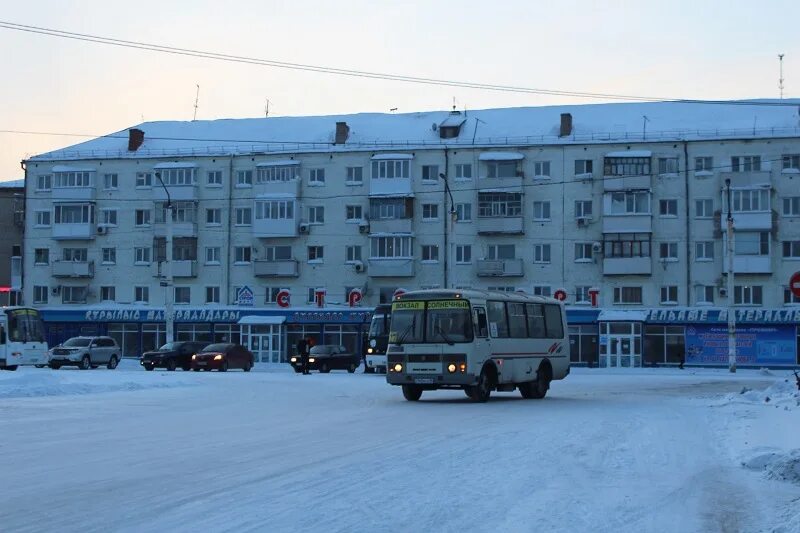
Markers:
{"x": 688, "y": 224}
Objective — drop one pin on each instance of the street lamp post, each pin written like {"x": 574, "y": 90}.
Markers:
{"x": 730, "y": 286}
{"x": 167, "y": 283}
{"x": 452, "y": 214}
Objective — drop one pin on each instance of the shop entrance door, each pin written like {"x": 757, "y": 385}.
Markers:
{"x": 621, "y": 344}
{"x": 261, "y": 346}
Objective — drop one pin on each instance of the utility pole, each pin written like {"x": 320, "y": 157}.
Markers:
{"x": 731, "y": 314}
{"x": 196, "y": 100}
{"x": 780, "y": 78}
{"x": 167, "y": 283}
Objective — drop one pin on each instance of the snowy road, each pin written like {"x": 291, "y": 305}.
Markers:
{"x": 637, "y": 450}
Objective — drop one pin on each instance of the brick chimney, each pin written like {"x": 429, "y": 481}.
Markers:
{"x": 342, "y": 132}
{"x": 566, "y": 125}
{"x": 135, "y": 139}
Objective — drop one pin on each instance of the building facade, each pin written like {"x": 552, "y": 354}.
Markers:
{"x": 12, "y": 222}
{"x": 638, "y": 216}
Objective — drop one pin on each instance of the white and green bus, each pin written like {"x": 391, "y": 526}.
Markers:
{"x": 22, "y": 338}
{"x": 477, "y": 341}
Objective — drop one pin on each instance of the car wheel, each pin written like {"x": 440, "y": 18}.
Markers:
{"x": 223, "y": 367}
{"x": 412, "y": 393}
{"x": 186, "y": 368}
{"x": 324, "y": 368}
{"x": 196, "y": 369}
{"x": 10, "y": 368}
{"x": 40, "y": 366}
{"x": 112, "y": 363}
{"x": 86, "y": 363}
{"x": 351, "y": 368}
{"x": 247, "y": 366}
{"x": 149, "y": 368}
{"x": 55, "y": 366}
{"x": 297, "y": 370}
{"x": 483, "y": 390}
{"x": 171, "y": 366}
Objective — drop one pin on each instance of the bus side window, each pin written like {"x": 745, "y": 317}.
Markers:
{"x": 479, "y": 318}
{"x": 2, "y": 335}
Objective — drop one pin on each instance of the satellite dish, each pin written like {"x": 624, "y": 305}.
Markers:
{"x": 434, "y": 126}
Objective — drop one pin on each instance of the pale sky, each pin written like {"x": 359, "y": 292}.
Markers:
{"x": 672, "y": 49}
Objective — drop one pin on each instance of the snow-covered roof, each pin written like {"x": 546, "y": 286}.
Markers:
{"x": 12, "y": 184}
{"x": 379, "y": 132}
{"x": 174, "y": 165}
{"x": 630, "y": 153}
{"x": 67, "y": 168}
{"x": 501, "y": 156}
{"x": 382, "y": 157}
{"x": 280, "y": 163}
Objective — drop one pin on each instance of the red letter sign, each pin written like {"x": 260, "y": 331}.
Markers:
{"x": 354, "y": 298}
{"x": 794, "y": 284}
{"x": 560, "y": 294}
{"x": 319, "y": 297}
{"x": 399, "y": 292}
{"x": 593, "y": 294}
{"x": 283, "y": 298}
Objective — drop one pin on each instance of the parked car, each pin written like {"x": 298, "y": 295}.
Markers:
{"x": 327, "y": 357}
{"x": 223, "y": 356}
{"x": 85, "y": 353}
{"x": 172, "y": 355}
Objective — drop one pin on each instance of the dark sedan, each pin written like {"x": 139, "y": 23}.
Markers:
{"x": 222, "y": 357}
{"x": 327, "y": 357}
{"x": 172, "y": 355}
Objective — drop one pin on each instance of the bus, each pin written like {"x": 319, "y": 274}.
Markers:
{"x": 22, "y": 339}
{"x": 478, "y": 341}
{"x": 378, "y": 339}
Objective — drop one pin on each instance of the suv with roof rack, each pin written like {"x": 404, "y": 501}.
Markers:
{"x": 86, "y": 353}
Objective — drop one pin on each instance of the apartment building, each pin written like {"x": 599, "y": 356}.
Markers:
{"x": 12, "y": 215}
{"x": 308, "y": 210}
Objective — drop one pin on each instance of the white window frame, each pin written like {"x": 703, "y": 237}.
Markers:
{"x": 668, "y": 252}
{"x": 144, "y": 180}
{"x": 391, "y": 169}
{"x": 37, "y": 260}
{"x": 430, "y": 253}
{"x": 43, "y": 218}
{"x": 790, "y": 206}
{"x": 44, "y": 182}
{"x": 109, "y": 216}
{"x": 541, "y": 211}
{"x": 584, "y": 252}
{"x": 179, "y": 290}
{"x": 430, "y": 212}
{"x": 146, "y": 218}
{"x": 353, "y": 213}
{"x": 243, "y": 216}
{"x": 426, "y": 172}
{"x": 463, "y": 254}
{"x": 391, "y": 247}
{"x": 242, "y": 255}
{"x": 746, "y": 163}
{"x": 666, "y": 293}
{"x": 215, "y": 253}
{"x": 704, "y": 164}
{"x": 244, "y": 178}
{"x": 704, "y": 202}
{"x": 355, "y": 176}
{"x": 464, "y": 212}
{"x": 110, "y": 182}
{"x": 701, "y": 293}
{"x": 316, "y": 215}
{"x": 315, "y": 254}
{"x": 214, "y": 178}
{"x": 463, "y": 171}
{"x": 622, "y": 295}
{"x": 215, "y": 213}
{"x": 794, "y": 250}
{"x": 580, "y": 209}
{"x": 275, "y": 210}
{"x": 40, "y": 294}
{"x": 704, "y": 251}
{"x": 212, "y": 294}
{"x": 108, "y": 293}
{"x": 352, "y": 253}
{"x": 582, "y": 296}
{"x": 141, "y": 294}
{"x": 316, "y": 177}
{"x": 109, "y": 255}
{"x": 668, "y": 166}
{"x": 142, "y": 255}
{"x": 542, "y": 254}
{"x": 668, "y": 203}
{"x": 541, "y": 170}
{"x": 748, "y": 295}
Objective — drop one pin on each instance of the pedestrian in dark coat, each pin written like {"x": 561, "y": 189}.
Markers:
{"x": 302, "y": 352}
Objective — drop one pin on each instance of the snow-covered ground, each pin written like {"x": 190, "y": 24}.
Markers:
{"x": 626, "y": 450}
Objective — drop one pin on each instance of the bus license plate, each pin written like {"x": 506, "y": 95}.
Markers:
{"x": 424, "y": 381}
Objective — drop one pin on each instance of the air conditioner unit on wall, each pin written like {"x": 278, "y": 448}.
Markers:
{"x": 723, "y": 292}
{"x": 359, "y": 266}
{"x": 597, "y": 247}
{"x": 583, "y": 221}
{"x": 304, "y": 227}
{"x": 102, "y": 230}
{"x": 56, "y": 289}
{"x": 363, "y": 227}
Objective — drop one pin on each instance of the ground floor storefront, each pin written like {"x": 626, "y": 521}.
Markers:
{"x": 694, "y": 336}
{"x": 598, "y": 337}
{"x": 270, "y": 334}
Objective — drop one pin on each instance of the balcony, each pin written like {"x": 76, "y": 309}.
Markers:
{"x": 627, "y": 224}
{"x": 757, "y": 220}
{"x": 511, "y": 184}
{"x": 73, "y": 269}
{"x": 276, "y": 269}
{"x": 391, "y": 225}
{"x": 747, "y": 180}
{"x": 625, "y": 183}
{"x": 179, "y": 229}
{"x": 501, "y": 225}
{"x": 180, "y": 269}
{"x": 79, "y": 231}
{"x": 621, "y": 266}
{"x": 488, "y": 268}
{"x": 176, "y": 192}
{"x": 70, "y": 194}
{"x": 390, "y": 187}
{"x": 752, "y": 264}
{"x": 391, "y": 268}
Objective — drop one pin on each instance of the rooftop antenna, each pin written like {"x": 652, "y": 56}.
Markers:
{"x": 266, "y": 109}
{"x": 780, "y": 79}
{"x": 392, "y": 110}
{"x": 196, "y": 99}
{"x": 644, "y": 126}
{"x": 454, "y": 103}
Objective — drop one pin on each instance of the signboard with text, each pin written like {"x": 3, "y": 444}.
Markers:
{"x": 755, "y": 345}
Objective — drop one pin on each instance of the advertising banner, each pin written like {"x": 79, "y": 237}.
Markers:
{"x": 766, "y": 345}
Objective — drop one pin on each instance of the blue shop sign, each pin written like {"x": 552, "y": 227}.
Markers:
{"x": 720, "y": 316}
{"x": 755, "y": 345}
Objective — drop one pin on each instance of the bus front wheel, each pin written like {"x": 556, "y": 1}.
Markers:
{"x": 483, "y": 390}
{"x": 412, "y": 393}
{"x": 10, "y": 368}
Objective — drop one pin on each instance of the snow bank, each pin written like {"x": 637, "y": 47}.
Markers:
{"x": 32, "y": 384}
{"x": 782, "y": 466}
{"x": 782, "y": 393}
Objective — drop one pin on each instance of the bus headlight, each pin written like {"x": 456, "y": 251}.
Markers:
{"x": 398, "y": 367}
{"x": 451, "y": 367}
{"x": 312, "y": 360}
{"x": 462, "y": 367}
{"x": 369, "y": 350}
{"x": 293, "y": 359}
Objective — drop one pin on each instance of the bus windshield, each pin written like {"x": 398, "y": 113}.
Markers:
{"x": 379, "y": 325}
{"x": 447, "y": 321}
{"x": 24, "y": 325}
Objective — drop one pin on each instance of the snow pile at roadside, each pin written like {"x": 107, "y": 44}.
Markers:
{"x": 46, "y": 383}
{"x": 782, "y": 466}
{"x": 783, "y": 393}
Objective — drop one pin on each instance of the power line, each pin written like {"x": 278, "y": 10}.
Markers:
{"x": 355, "y": 73}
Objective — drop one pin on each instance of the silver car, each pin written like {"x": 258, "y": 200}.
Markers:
{"x": 85, "y": 353}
